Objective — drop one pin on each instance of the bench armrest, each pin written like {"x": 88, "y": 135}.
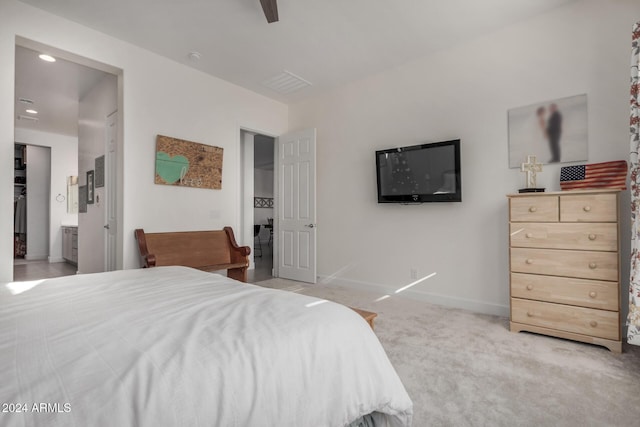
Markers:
{"x": 149, "y": 259}
{"x": 239, "y": 254}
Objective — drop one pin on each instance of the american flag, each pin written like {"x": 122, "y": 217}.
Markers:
{"x": 596, "y": 175}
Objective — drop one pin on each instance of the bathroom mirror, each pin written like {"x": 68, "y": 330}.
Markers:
{"x": 72, "y": 194}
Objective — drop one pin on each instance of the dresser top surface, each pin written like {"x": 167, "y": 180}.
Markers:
{"x": 565, "y": 193}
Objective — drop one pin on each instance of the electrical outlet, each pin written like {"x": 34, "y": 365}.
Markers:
{"x": 414, "y": 273}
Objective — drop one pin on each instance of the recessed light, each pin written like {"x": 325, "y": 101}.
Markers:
{"x": 47, "y": 58}
{"x": 31, "y": 111}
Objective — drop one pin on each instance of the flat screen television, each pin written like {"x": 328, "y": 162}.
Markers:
{"x": 420, "y": 173}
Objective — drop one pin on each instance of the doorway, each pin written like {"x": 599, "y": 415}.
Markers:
{"x": 258, "y": 202}
{"x": 263, "y": 205}
{"x": 58, "y": 106}
{"x": 293, "y": 229}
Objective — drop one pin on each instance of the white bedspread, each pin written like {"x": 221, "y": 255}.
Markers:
{"x": 173, "y": 346}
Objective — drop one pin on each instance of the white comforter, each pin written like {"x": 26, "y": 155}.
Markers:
{"x": 173, "y": 346}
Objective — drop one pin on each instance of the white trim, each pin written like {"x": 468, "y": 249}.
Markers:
{"x": 41, "y": 257}
{"x": 444, "y": 300}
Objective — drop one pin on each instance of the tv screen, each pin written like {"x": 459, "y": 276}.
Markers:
{"x": 420, "y": 173}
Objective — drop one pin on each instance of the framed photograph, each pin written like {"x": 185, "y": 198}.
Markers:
{"x": 554, "y": 131}
{"x": 82, "y": 199}
{"x": 99, "y": 172}
{"x": 90, "y": 187}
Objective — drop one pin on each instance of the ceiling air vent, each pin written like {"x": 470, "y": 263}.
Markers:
{"x": 25, "y": 101}
{"x": 286, "y": 82}
{"x": 28, "y": 118}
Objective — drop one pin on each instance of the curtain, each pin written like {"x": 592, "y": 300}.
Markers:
{"x": 633, "y": 320}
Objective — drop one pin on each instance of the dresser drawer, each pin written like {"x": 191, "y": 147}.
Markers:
{"x": 581, "y": 264}
{"x": 581, "y": 236}
{"x": 586, "y": 321}
{"x": 532, "y": 209}
{"x": 565, "y": 290}
{"x": 589, "y": 208}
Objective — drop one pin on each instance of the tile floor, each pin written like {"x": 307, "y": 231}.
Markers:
{"x": 40, "y": 269}
{"x": 264, "y": 265}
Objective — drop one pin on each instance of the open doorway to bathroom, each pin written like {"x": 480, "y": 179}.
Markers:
{"x": 62, "y": 103}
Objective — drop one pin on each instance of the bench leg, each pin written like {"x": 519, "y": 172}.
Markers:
{"x": 238, "y": 274}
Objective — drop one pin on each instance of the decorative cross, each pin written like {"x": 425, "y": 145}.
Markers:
{"x": 531, "y": 168}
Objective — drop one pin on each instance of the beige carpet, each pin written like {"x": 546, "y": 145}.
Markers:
{"x": 467, "y": 369}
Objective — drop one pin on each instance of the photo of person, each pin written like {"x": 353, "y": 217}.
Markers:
{"x": 553, "y": 131}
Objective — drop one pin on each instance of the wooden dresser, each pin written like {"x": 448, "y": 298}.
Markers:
{"x": 565, "y": 265}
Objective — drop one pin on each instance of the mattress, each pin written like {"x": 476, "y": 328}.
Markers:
{"x": 174, "y": 346}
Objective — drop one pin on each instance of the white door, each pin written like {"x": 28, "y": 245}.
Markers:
{"x": 296, "y": 225}
{"x": 110, "y": 167}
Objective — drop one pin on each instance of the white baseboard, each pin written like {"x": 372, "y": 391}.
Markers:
{"x": 54, "y": 260}
{"x": 30, "y": 257}
{"x": 444, "y": 300}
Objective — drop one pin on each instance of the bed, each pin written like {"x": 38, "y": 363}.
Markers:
{"x": 175, "y": 346}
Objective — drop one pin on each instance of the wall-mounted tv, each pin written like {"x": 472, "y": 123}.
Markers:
{"x": 420, "y": 173}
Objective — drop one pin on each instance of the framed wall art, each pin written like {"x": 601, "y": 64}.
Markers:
{"x": 99, "y": 168}
{"x": 188, "y": 164}
{"x": 90, "y": 187}
{"x": 82, "y": 199}
{"x": 554, "y": 131}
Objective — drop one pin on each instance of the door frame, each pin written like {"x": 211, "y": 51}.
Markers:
{"x": 119, "y": 73}
{"x": 111, "y": 195}
{"x": 242, "y": 206}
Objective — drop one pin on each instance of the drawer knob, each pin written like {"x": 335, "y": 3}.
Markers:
{"x": 592, "y": 237}
{"x": 593, "y": 294}
{"x": 529, "y": 287}
{"x": 587, "y": 208}
{"x": 533, "y": 209}
{"x": 593, "y": 265}
{"x": 529, "y": 261}
{"x": 529, "y": 235}
{"x": 529, "y": 314}
{"x": 593, "y": 323}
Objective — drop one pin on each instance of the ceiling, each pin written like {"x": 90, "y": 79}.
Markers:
{"x": 55, "y": 89}
{"x": 326, "y": 42}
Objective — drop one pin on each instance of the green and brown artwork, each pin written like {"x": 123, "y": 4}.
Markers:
{"x": 188, "y": 164}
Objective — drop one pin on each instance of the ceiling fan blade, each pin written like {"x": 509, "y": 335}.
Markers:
{"x": 270, "y": 8}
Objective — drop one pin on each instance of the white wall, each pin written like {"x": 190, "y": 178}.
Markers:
{"x": 93, "y": 110}
{"x": 64, "y": 163}
{"x": 159, "y": 97}
{"x": 465, "y": 93}
{"x": 38, "y": 184}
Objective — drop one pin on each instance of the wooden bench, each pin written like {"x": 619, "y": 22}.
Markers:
{"x": 205, "y": 250}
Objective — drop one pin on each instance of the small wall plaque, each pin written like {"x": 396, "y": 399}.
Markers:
{"x": 99, "y": 177}
{"x": 82, "y": 199}
{"x": 90, "y": 187}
